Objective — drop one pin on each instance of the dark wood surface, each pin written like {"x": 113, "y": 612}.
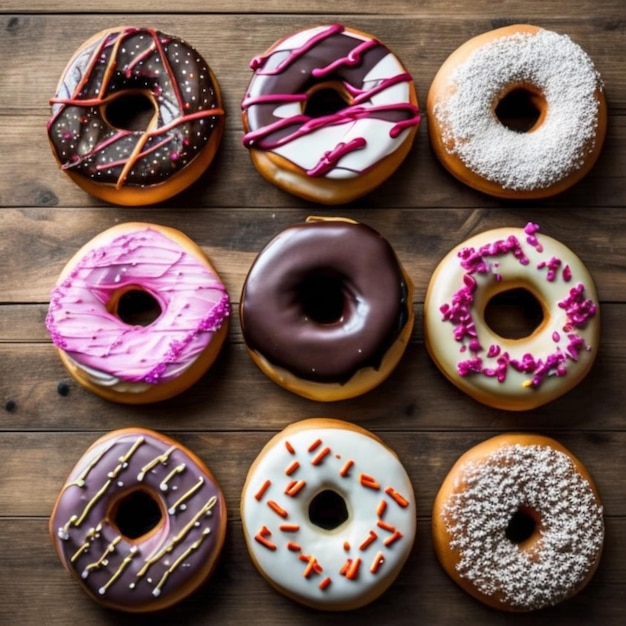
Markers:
{"x": 231, "y": 212}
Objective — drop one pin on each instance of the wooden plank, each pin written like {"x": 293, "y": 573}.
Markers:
{"x": 236, "y": 395}
{"x": 423, "y": 43}
{"x": 237, "y": 594}
{"x": 37, "y": 243}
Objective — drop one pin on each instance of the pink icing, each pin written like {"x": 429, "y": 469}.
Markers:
{"x": 193, "y": 301}
{"x": 579, "y": 310}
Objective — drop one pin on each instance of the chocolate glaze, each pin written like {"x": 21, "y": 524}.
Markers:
{"x": 114, "y": 467}
{"x": 375, "y": 307}
{"x": 278, "y": 78}
{"x": 133, "y": 60}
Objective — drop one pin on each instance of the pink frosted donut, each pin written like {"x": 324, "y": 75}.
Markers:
{"x": 139, "y": 314}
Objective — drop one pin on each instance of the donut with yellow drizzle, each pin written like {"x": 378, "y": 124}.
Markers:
{"x": 140, "y": 522}
{"x": 137, "y": 116}
{"x": 328, "y": 514}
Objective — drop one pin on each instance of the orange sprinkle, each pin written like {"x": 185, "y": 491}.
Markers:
{"x": 370, "y": 539}
{"x": 321, "y": 456}
{"x": 400, "y": 499}
{"x": 289, "y": 528}
{"x": 346, "y": 546}
{"x": 369, "y": 481}
{"x": 277, "y": 508}
{"x": 396, "y": 535}
{"x": 379, "y": 559}
{"x": 294, "y": 547}
{"x": 353, "y": 570}
{"x": 381, "y": 508}
{"x": 385, "y": 526}
{"x": 325, "y": 583}
{"x": 261, "y": 492}
{"x": 292, "y": 468}
{"x": 294, "y": 487}
{"x": 261, "y": 538}
{"x": 290, "y": 448}
{"x": 345, "y": 567}
{"x": 346, "y": 468}
{"x": 312, "y": 565}
{"x": 316, "y": 444}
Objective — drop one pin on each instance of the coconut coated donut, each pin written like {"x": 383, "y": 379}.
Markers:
{"x": 137, "y": 116}
{"x": 139, "y": 314}
{"x": 548, "y": 75}
{"x": 140, "y": 522}
{"x": 328, "y": 514}
{"x": 514, "y": 374}
{"x": 326, "y": 309}
{"x": 329, "y": 114}
{"x": 518, "y": 523}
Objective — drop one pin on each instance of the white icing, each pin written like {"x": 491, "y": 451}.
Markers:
{"x": 564, "y": 75}
{"x": 488, "y": 492}
{"x": 103, "y": 379}
{"x": 515, "y": 392}
{"x": 284, "y": 566}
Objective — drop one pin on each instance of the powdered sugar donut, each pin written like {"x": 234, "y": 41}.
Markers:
{"x": 329, "y": 114}
{"x": 518, "y": 523}
{"x": 139, "y": 314}
{"x": 328, "y": 514}
{"x": 512, "y": 373}
{"x": 518, "y": 112}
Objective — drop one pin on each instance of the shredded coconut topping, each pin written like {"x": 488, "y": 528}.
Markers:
{"x": 563, "y": 73}
{"x": 571, "y": 526}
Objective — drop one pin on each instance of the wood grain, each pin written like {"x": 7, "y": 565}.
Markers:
{"x": 231, "y": 212}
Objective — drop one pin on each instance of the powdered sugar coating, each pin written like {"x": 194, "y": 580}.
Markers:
{"x": 567, "y": 79}
{"x": 485, "y": 496}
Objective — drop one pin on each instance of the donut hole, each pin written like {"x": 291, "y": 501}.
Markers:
{"x": 514, "y": 313}
{"x": 325, "y": 100}
{"x": 521, "y": 526}
{"x": 328, "y": 510}
{"x": 132, "y": 110}
{"x": 137, "y": 307}
{"x": 322, "y": 297}
{"x": 520, "y": 109}
{"x": 136, "y": 514}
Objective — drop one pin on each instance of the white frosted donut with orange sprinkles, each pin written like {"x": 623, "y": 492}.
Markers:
{"x": 328, "y": 514}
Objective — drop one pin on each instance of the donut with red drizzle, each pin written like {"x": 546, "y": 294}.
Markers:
{"x": 137, "y": 116}
{"x": 329, "y": 114}
{"x": 326, "y": 309}
{"x": 515, "y": 373}
{"x": 140, "y": 522}
{"x": 328, "y": 514}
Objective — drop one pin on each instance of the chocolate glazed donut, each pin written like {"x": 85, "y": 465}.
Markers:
{"x": 324, "y": 300}
{"x": 134, "y": 110}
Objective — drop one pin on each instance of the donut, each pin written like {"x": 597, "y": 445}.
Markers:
{"x": 140, "y": 522}
{"x": 137, "y": 116}
{"x": 330, "y": 114}
{"x": 328, "y": 514}
{"x": 518, "y": 112}
{"x": 507, "y": 372}
{"x": 518, "y": 523}
{"x": 326, "y": 309}
{"x": 139, "y": 314}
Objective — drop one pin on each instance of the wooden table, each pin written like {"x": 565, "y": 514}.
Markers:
{"x": 231, "y": 212}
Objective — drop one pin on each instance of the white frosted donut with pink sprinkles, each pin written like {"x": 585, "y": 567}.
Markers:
{"x": 139, "y": 313}
{"x": 328, "y": 514}
{"x": 504, "y": 372}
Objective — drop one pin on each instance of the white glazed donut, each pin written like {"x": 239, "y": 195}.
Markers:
{"x": 543, "y": 71}
{"x": 335, "y": 567}
{"x": 514, "y": 374}
{"x": 518, "y": 523}
{"x": 318, "y": 153}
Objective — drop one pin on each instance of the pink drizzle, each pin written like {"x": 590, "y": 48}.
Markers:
{"x": 579, "y": 310}
{"x": 194, "y": 304}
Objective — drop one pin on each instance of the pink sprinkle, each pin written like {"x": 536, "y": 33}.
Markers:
{"x": 567, "y": 274}
{"x": 494, "y": 351}
{"x": 556, "y": 337}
